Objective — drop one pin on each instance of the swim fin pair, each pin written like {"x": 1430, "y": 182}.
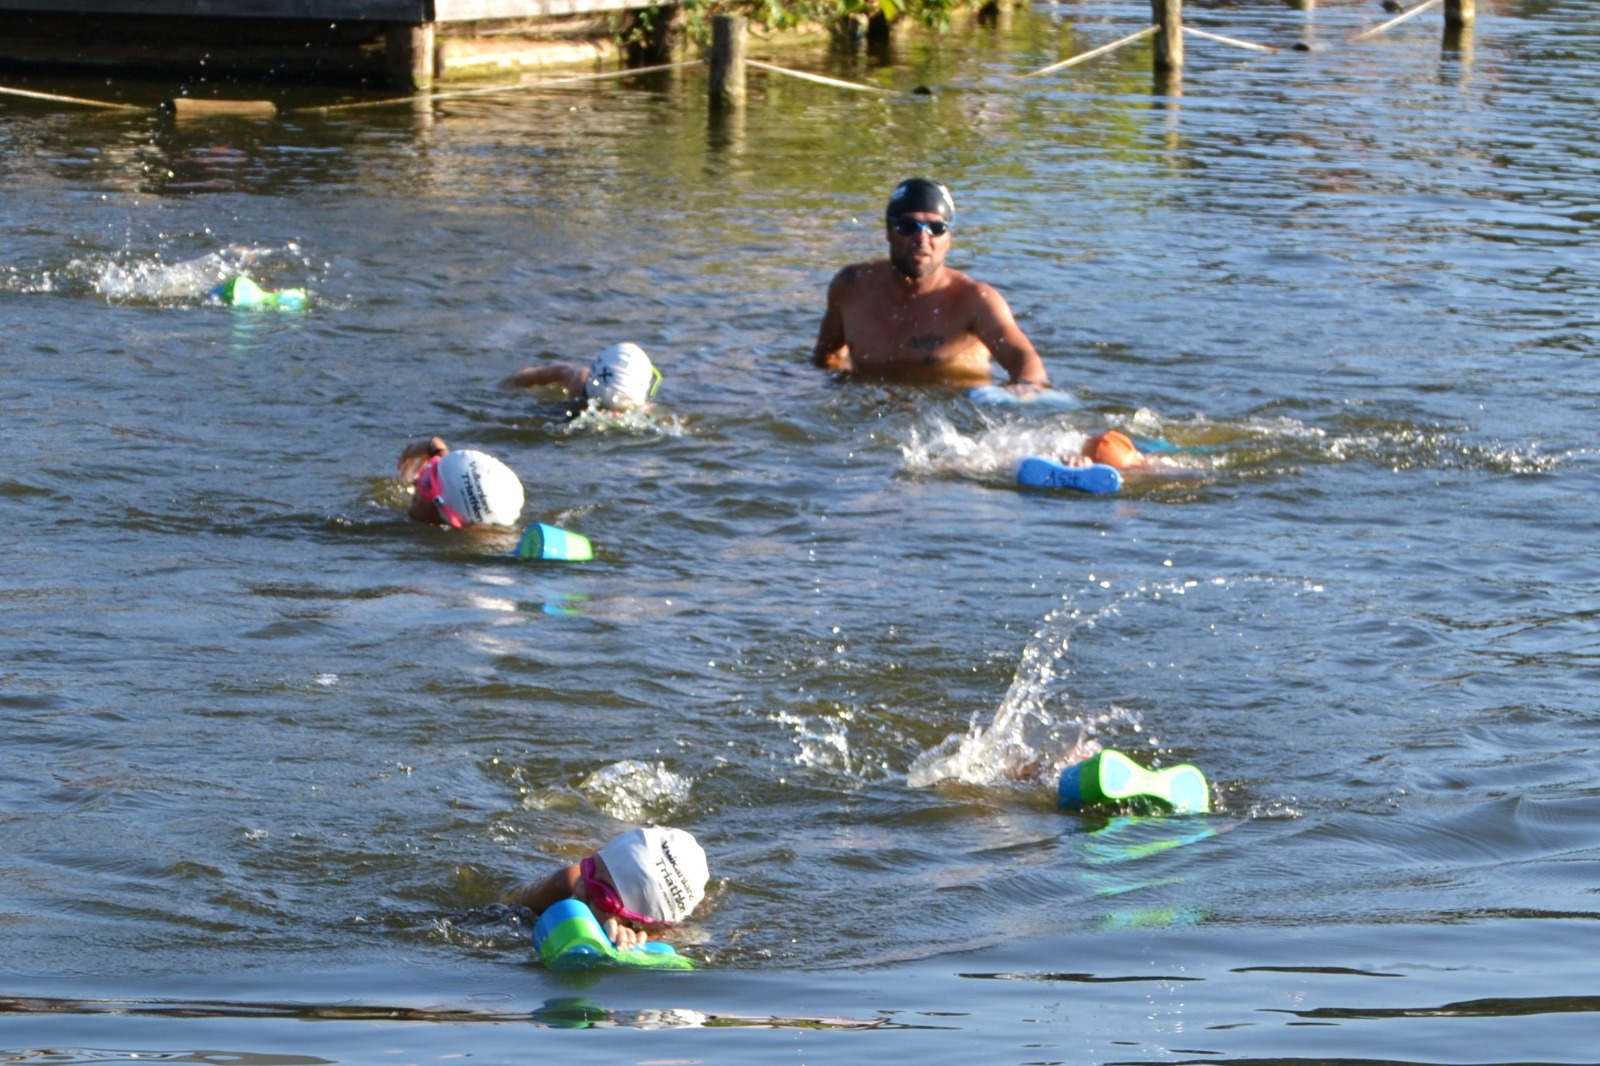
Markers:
{"x": 241, "y": 291}
{"x": 568, "y": 938}
{"x": 1037, "y": 472}
{"x": 542, "y": 541}
{"x": 1112, "y": 777}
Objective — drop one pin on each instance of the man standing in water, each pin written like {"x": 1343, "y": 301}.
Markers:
{"x": 911, "y": 318}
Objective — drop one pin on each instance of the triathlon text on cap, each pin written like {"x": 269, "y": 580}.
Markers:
{"x": 672, "y": 878}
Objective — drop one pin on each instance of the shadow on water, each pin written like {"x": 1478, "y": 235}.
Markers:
{"x": 558, "y": 1013}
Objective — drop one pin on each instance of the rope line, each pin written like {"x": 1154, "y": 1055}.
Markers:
{"x": 1229, "y": 40}
{"x": 521, "y": 86}
{"x": 1092, "y": 53}
{"x": 55, "y": 98}
{"x": 819, "y": 79}
{"x": 1419, "y": 9}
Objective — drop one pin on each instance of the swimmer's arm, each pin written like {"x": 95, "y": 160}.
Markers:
{"x": 566, "y": 376}
{"x": 832, "y": 351}
{"x": 415, "y": 455}
{"x": 996, "y": 327}
{"x": 539, "y": 896}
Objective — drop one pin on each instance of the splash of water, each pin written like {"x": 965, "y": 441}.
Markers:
{"x": 634, "y": 791}
{"x": 937, "y": 447}
{"x": 1025, "y": 740}
{"x": 823, "y": 743}
{"x": 639, "y": 421}
{"x": 153, "y": 279}
{"x": 942, "y": 449}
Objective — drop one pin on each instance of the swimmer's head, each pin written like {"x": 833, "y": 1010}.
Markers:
{"x": 473, "y": 489}
{"x": 920, "y": 195}
{"x": 660, "y": 873}
{"x": 621, "y": 378}
{"x": 1113, "y": 448}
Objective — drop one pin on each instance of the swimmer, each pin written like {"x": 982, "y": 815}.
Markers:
{"x": 459, "y": 489}
{"x": 912, "y": 318}
{"x": 621, "y": 378}
{"x": 1112, "y": 448}
{"x": 639, "y": 883}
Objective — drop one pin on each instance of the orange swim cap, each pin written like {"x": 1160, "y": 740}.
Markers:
{"x": 1112, "y": 448}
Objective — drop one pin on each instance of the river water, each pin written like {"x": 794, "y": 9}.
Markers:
{"x": 273, "y": 751}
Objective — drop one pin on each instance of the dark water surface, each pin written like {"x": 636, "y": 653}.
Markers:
{"x": 272, "y": 751}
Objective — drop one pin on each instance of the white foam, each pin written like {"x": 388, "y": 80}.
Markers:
{"x": 634, "y": 791}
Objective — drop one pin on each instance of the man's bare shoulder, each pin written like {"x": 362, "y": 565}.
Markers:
{"x": 977, "y": 298}
{"x": 857, "y": 274}
{"x": 965, "y": 285}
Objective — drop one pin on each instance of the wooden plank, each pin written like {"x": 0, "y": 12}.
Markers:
{"x": 491, "y": 10}
{"x": 190, "y": 107}
{"x": 330, "y": 10}
{"x": 466, "y": 55}
{"x": 412, "y": 11}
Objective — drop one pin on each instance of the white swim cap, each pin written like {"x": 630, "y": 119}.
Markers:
{"x": 621, "y": 377}
{"x": 660, "y": 874}
{"x": 477, "y": 489}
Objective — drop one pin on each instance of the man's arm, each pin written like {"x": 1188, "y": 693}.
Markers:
{"x": 997, "y": 328}
{"x": 832, "y": 351}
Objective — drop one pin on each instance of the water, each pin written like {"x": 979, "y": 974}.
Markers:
{"x": 273, "y": 751}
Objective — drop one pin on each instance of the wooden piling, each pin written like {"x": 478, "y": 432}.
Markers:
{"x": 995, "y": 14}
{"x": 409, "y": 49}
{"x": 1459, "y": 14}
{"x": 880, "y": 31}
{"x": 727, "y": 61}
{"x": 1168, "y": 18}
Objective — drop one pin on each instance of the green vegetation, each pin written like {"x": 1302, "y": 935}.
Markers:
{"x": 694, "y": 16}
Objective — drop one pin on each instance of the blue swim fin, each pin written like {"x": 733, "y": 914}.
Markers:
{"x": 1036, "y": 472}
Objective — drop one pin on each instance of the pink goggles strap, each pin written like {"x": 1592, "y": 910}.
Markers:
{"x": 431, "y": 487}
{"x": 604, "y": 898}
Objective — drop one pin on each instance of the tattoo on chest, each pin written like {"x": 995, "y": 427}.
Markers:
{"x": 926, "y": 342}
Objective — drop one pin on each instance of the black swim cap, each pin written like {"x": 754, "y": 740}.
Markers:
{"x": 920, "y": 194}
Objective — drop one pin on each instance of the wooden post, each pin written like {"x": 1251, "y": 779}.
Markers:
{"x": 847, "y": 31}
{"x": 1168, "y": 18}
{"x": 409, "y": 48}
{"x": 658, "y": 26}
{"x": 727, "y": 61}
{"x": 996, "y": 13}
{"x": 879, "y": 30}
{"x": 1459, "y": 14}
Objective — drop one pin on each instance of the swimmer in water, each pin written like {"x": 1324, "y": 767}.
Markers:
{"x": 1114, "y": 448}
{"x": 641, "y": 882}
{"x": 621, "y": 378}
{"x": 912, "y": 318}
{"x": 462, "y": 489}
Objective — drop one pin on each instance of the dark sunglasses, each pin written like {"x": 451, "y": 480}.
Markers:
{"x": 908, "y": 227}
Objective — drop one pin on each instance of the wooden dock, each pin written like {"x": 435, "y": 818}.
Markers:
{"x": 410, "y": 43}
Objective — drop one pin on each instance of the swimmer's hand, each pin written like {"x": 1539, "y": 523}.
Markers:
{"x": 624, "y": 937}
{"x": 1079, "y": 460}
{"x": 1026, "y": 390}
{"x": 417, "y": 453}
